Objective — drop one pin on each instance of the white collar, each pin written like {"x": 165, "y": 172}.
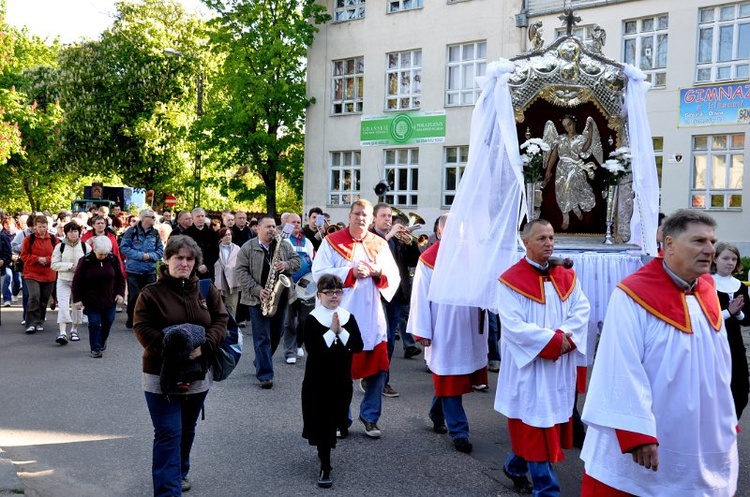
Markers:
{"x": 726, "y": 284}
{"x": 324, "y": 315}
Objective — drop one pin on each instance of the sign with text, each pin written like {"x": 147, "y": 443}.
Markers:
{"x": 715, "y": 105}
{"x": 403, "y": 129}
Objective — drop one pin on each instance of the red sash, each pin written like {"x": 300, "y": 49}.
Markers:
{"x": 429, "y": 256}
{"x": 524, "y": 279}
{"x": 342, "y": 242}
{"x": 652, "y": 288}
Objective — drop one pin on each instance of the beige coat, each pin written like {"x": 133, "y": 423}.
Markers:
{"x": 250, "y": 267}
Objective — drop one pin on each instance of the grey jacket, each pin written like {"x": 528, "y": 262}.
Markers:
{"x": 250, "y": 268}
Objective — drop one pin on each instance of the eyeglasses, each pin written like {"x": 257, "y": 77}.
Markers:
{"x": 333, "y": 293}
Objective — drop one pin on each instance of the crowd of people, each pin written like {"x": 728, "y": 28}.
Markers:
{"x": 670, "y": 360}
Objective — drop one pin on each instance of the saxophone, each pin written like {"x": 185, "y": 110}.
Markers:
{"x": 275, "y": 284}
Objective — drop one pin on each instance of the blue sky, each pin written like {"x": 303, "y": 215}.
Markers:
{"x": 70, "y": 20}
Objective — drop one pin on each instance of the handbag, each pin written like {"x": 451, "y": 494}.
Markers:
{"x": 228, "y": 354}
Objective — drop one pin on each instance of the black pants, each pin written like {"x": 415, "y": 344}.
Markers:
{"x": 135, "y": 283}
{"x": 39, "y": 293}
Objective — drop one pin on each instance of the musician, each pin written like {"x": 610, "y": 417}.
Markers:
{"x": 254, "y": 267}
{"x": 298, "y": 307}
{"x": 312, "y": 231}
{"x": 366, "y": 266}
{"x": 406, "y": 254}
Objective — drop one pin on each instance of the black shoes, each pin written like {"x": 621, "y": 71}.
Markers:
{"x": 266, "y": 384}
{"x": 186, "y": 485}
{"x": 342, "y": 432}
{"x": 520, "y": 483}
{"x": 439, "y": 427}
{"x": 324, "y": 478}
{"x": 412, "y": 351}
{"x": 463, "y": 445}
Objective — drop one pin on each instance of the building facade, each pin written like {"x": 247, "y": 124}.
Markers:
{"x": 378, "y": 60}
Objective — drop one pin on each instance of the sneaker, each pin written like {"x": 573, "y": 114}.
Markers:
{"x": 96, "y": 354}
{"x": 388, "y": 391}
{"x": 371, "y": 429}
{"x": 74, "y": 336}
{"x": 520, "y": 483}
{"x": 439, "y": 427}
{"x": 324, "y": 478}
{"x": 266, "y": 384}
{"x": 291, "y": 360}
{"x": 23, "y": 322}
{"x": 494, "y": 366}
{"x": 300, "y": 352}
{"x": 480, "y": 388}
{"x": 186, "y": 485}
{"x": 62, "y": 339}
{"x": 39, "y": 327}
{"x": 6, "y": 303}
{"x": 463, "y": 445}
{"x": 412, "y": 351}
{"x": 31, "y": 330}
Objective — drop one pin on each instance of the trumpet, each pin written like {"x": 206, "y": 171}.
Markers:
{"x": 407, "y": 236}
{"x": 332, "y": 228}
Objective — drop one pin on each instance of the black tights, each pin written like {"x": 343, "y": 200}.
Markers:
{"x": 324, "y": 454}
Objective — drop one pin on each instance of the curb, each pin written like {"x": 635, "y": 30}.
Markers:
{"x": 10, "y": 483}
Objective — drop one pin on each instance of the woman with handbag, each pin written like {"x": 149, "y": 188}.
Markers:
{"x": 175, "y": 299}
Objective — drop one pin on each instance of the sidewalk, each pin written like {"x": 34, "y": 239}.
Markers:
{"x": 10, "y": 483}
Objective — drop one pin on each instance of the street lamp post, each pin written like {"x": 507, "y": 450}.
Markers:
{"x": 197, "y": 172}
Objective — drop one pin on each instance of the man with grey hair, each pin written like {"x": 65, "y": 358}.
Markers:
{"x": 660, "y": 415}
{"x": 142, "y": 247}
{"x": 208, "y": 240}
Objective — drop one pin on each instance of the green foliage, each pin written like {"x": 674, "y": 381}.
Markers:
{"x": 743, "y": 274}
{"x": 255, "y": 123}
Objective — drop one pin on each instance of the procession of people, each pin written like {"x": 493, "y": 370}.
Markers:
{"x": 669, "y": 362}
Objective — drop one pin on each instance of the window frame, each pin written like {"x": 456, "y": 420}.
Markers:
{"x": 640, "y": 36}
{"x": 709, "y": 71}
{"x": 402, "y": 7}
{"x": 358, "y": 83}
{"x": 410, "y": 167}
{"x": 356, "y": 10}
{"x": 477, "y": 65}
{"x": 458, "y": 167}
{"x": 709, "y": 153}
{"x": 412, "y": 72}
{"x": 338, "y": 196}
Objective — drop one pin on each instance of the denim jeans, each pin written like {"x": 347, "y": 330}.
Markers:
{"x": 395, "y": 314}
{"x": 543, "y": 476}
{"x": 135, "y": 283}
{"x": 493, "y": 337}
{"x": 450, "y": 410}
{"x": 7, "y": 279}
{"x": 174, "y": 423}
{"x": 100, "y": 323}
{"x": 38, "y": 298}
{"x": 266, "y": 337}
{"x": 372, "y": 402}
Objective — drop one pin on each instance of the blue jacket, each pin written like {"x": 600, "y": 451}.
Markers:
{"x": 135, "y": 242}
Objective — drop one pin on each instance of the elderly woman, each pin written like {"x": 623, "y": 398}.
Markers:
{"x": 65, "y": 261}
{"x": 224, "y": 277}
{"x": 735, "y": 304}
{"x": 175, "y": 299}
{"x": 98, "y": 286}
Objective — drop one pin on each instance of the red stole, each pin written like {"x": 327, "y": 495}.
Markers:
{"x": 429, "y": 256}
{"x": 342, "y": 242}
{"x": 652, "y": 288}
{"x": 524, "y": 279}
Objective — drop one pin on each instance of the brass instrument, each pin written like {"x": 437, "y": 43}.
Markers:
{"x": 415, "y": 222}
{"x": 276, "y": 282}
{"x": 333, "y": 228}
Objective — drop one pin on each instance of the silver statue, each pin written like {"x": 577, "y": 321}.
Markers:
{"x": 570, "y": 150}
{"x": 535, "y": 36}
{"x": 598, "y": 39}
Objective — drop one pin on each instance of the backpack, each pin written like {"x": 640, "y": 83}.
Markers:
{"x": 230, "y": 350}
{"x": 19, "y": 262}
{"x": 83, "y": 247}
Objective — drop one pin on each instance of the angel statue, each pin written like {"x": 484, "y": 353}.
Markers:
{"x": 571, "y": 150}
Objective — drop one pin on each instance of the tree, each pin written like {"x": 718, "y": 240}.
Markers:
{"x": 128, "y": 104}
{"x": 254, "y": 121}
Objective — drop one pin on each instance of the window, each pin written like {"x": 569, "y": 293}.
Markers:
{"x": 344, "y": 177}
{"x": 454, "y": 164}
{"x": 644, "y": 45}
{"x": 404, "y": 80}
{"x": 399, "y": 5}
{"x": 347, "y": 10}
{"x": 718, "y": 167}
{"x": 348, "y": 86}
{"x": 402, "y": 174}
{"x": 465, "y": 63}
{"x": 581, "y": 32}
{"x": 658, "y": 142}
{"x": 723, "y": 42}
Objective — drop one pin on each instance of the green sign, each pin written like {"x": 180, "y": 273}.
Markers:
{"x": 403, "y": 129}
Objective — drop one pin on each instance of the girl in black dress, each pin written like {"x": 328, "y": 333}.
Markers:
{"x": 735, "y": 304}
{"x": 331, "y": 336}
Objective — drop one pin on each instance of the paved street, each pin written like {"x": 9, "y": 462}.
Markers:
{"x": 76, "y": 426}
